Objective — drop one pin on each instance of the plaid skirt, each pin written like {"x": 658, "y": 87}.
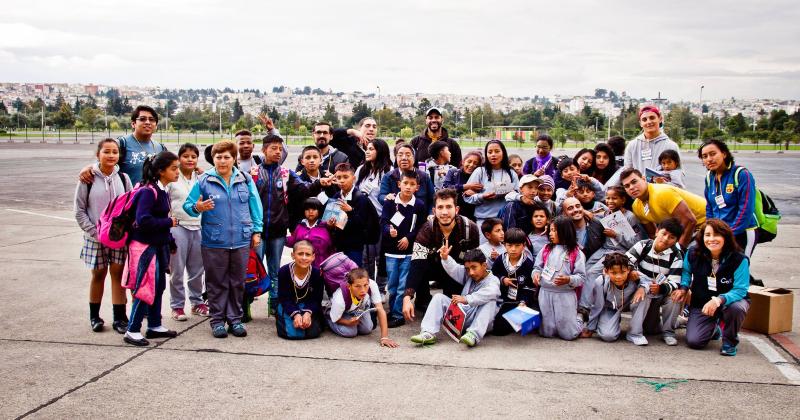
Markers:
{"x": 97, "y": 256}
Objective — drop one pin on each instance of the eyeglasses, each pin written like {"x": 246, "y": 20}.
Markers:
{"x": 146, "y": 119}
{"x": 321, "y": 133}
{"x": 543, "y": 147}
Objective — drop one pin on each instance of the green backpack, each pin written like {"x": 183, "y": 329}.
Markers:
{"x": 766, "y": 213}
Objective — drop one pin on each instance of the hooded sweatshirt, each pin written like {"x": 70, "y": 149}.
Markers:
{"x": 641, "y": 153}
{"x": 90, "y": 202}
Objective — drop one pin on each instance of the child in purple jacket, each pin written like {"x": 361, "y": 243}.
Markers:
{"x": 312, "y": 230}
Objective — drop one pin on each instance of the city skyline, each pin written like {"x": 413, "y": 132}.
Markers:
{"x": 447, "y": 47}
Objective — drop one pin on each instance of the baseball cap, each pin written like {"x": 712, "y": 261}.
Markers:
{"x": 433, "y": 109}
{"x": 649, "y": 108}
{"x": 526, "y": 179}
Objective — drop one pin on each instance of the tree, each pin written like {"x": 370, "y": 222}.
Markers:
{"x": 600, "y": 93}
{"x": 736, "y": 124}
{"x": 423, "y": 106}
{"x": 406, "y": 133}
{"x": 3, "y": 109}
{"x": 777, "y": 119}
{"x": 360, "y": 110}
{"x": 64, "y": 117}
{"x": 331, "y": 115}
{"x": 19, "y": 105}
{"x": 238, "y": 111}
{"x": 89, "y": 116}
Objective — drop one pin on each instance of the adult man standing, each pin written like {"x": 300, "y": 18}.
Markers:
{"x": 517, "y": 214}
{"x": 247, "y": 159}
{"x": 435, "y": 132}
{"x": 642, "y": 153}
{"x": 446, "y": 225}
{"x": 135, "y": 147}
{"x": 352, "y": 142}
{"x": 655, "y": 203}
{"x": 323, "y": 133}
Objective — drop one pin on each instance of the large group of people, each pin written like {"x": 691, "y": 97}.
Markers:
{"x": 580, "y": 239}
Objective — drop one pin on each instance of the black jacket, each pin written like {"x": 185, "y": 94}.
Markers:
{"x": 422, "y": 141}
{"x": 362, "y": 226}
{"x": 349, "y": 146}
{"x": 594, "y": 237}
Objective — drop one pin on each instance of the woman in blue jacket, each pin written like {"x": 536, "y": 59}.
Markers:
{"x": 231, "y": 224}
{"x": 718, "y": 275}
{"x": 730, "y": 193}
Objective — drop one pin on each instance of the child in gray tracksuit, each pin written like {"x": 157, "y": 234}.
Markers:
{"x": 480, "y": 295}
{"x": 560, "y": 268}
{"x": 614, "y": 291}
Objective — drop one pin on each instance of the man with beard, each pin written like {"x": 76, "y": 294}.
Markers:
{"x": 426, "y": 265}
{"x": 644, "y": 150}
{"x": 331, "y": 157}
{"x": 435, "y": 132}
{"x": 352, "y": 142}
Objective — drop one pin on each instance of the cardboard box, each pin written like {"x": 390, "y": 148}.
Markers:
{"x": 770, "y": 310}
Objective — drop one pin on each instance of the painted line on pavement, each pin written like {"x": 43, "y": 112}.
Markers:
{"x": 42, "y": 215}
{"x": 772, "y": 356}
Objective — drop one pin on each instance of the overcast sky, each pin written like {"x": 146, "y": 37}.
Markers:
{"x": 514, "y": 48}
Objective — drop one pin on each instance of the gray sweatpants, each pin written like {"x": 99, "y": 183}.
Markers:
{"x": 594, "y": 268}
{"x": 559, "y": 314}
{"x": 364, "y": 326}
{"x": 225, "y": 274}
{"x": 661, "y": 313}
{"x": 608, "y": 324}
{"x": 479, "y": 319}
{"x": 187, "y": 260}
{"x": 700, "y": 328}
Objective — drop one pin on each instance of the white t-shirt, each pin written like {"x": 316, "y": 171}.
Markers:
{"x": 337, "y": 301}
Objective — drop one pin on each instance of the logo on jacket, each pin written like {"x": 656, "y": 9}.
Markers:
{"x": 729, "y": 188}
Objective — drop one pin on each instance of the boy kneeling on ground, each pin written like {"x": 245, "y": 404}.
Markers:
{"x": 481, "y": 294}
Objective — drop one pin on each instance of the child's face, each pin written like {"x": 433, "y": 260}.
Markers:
{"x": 408, "y": 187}
{"x": 188, "y": 160}
{"x": 514, "y": 251}
{"x": 170, "y": 174}
{"x": 272, "y": 152}
{"x": 345, "y": 180}
{"x": 617, "y": 274}
{"x": 601, "y": 160}
{"x": 245, "y": 146}
{"x": 303, "y": 255}
{"x": 585, "y": 195}
{"x": 516, "y": 164}
{"x": 370, "y": 153}
{"x": 585, "y": 161}
{"x": 569, "y": 173}
{"x": 614, "y": 201}
{"x": 553, "y": 233}
{"x": 668, "y": 164}
{"x": 311, "y": 160}
{"x": 475, "y": 270}
{"x": 539, "y": 219}
{"x": 470, "y": 164}
{"x": 496, "y": 235}
{"x": 109, "y": 154}
{"x": 311, "y": 215}
{"x": 360, "y": 287}
{"x": 664, "y": 240}
{"x": 444, "y": 155}
{"x": 545, "y": 192}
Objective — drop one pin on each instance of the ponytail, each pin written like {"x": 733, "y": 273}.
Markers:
{"x": 153, "y": 166}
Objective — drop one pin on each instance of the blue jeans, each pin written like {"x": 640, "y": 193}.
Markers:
{"x": 397, "y": 273}
{"x": 356, "y": 256}
{"x": 273, "y": 250}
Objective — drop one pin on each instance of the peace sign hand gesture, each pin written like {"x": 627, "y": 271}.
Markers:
{"x": 444, "y": 251}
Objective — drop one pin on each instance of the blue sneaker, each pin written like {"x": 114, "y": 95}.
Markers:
{"x": 237, "y": 330}
{"x": 219, "y": 331}
{"x": 727, "y": 350}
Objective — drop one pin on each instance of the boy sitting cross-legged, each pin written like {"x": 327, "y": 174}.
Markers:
{"x": 480, "y": 294}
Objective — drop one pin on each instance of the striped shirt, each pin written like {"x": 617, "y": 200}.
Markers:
{"x": 664, "y": 267}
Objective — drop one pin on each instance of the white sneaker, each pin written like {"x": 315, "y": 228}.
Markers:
{"x": 638, "y": 340}
{"x": 670, "y": 340}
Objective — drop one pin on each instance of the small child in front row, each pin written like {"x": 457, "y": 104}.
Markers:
{"x": 560, "y": 268}
{"x": 357, "y": 320}
{"x": 540, "y": 236}
{"x": 481, "y": 294}
{"x": 669, "y": 162}
{"x": 401, "y": 218}
{"x": 514, "y": 269}
{"x": 492, "y": 229}
{"x": 299, "y": 312}
{"x": 615, "y": 291}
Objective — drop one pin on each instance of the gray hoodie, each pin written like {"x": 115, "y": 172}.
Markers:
{"x": 477, "y": 293}
{"x": 90, "y": 204}
{"x": 652, "y": 148}
{"x": 606, "y": 295}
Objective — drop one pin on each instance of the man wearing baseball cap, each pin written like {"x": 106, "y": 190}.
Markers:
{"x": 643, "y": 151}
{"x": 435, "y": 132}
{"x": 517, "y": 213}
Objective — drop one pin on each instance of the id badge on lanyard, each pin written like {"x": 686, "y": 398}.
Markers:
{"x": 712, "y": 283}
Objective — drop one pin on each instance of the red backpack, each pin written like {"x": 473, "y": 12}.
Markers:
{"x": 256, "y": 282}
{"x": 118, "y": 218}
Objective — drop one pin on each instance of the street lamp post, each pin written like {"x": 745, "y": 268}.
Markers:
{"x": 700, "y": 120}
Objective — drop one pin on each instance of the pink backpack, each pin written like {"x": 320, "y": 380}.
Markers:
{"x": 118, "y": 218}
{"x": 334, "y": 274}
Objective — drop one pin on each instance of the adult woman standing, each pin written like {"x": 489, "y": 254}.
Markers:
{"x": 231, "y": 220}
{"x": 377, "y": 163}
{"x": 718, "y": 274}
{"x": 730, "y": 193}
{"x": 543, "y": 163}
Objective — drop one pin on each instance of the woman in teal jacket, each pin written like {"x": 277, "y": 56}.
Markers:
{"x": 231, "y": 224}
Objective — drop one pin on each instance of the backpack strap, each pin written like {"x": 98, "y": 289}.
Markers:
{"x": 346, "y": 296}
{"x": 466, "y": 228}
{"x": 123, "y": 147}
{"x": 545, "y": 255}
{"x": 126, "y": 181}
{"x": 257, "y": 159}
{"x": 573, "y": 256}
{"x": 646, "y": 249}
{"x": 736, "y": 176}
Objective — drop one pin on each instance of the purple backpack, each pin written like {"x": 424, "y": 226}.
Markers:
{"x": 334, "y": 274}
{"x": 118, "y": 218}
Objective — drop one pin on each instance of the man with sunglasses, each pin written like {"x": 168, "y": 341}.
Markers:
{"x": 323, "y": 133}
{"x": 643, "y": 152}
{"x": 135, "y": 147}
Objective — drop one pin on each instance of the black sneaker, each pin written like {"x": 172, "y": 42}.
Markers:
{"x": 396, "y": 322}
{"x": 136, "y": 342}
{"x": 97, "y": 324}
{"x": 120, "y": 326}
{"x": 160, "y": 334}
